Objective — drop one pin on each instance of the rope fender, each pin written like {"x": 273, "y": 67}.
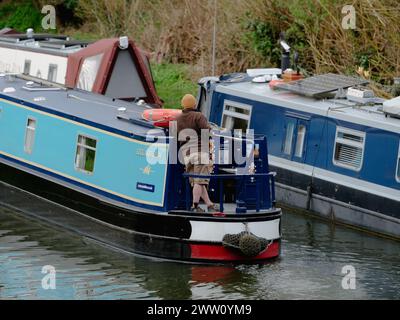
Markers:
{"x": 247, "y": 243}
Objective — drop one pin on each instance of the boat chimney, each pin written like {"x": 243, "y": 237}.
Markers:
{"x": 123, "y": 43}
{"x": 29, "y": 33}
{"x": 285, "y": 62}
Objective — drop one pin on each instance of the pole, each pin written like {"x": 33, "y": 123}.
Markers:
{"x": 214, "y": 45}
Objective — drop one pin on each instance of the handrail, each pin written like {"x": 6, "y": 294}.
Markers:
{"x": 221, "y": 177}
{"x": 227, "y": 175}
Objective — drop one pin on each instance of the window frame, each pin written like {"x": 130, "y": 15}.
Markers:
{"x": 30, "y": 129}
{"x": 26, "y": 62}
{"x": 398, "y": 167}
{"x": 296, "y": 121}
{"x": 347, "y": 142}
{"x": 91, "y": 63}
{"x": 291, "y": 122}
{"x": 80, "y": 145}
{"x": 237, "y": 115}
{"x": 54, "y": 72}
{"x": 302, "y": 142}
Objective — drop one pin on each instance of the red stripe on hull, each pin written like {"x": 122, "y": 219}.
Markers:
{"x": 220, "y": 253}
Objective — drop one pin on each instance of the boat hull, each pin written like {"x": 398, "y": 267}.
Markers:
{"x": 338, "y": 204}
{"x": 178, "y": 236}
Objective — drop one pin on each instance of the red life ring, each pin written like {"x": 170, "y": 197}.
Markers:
{"x": 161, "y": 117}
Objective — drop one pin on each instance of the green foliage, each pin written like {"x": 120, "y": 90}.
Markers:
{"x": 20, "y": 15}
{"x": 264, "y": 39}
{"x": 172, "y": 83}
{"x": 70, "y": 4}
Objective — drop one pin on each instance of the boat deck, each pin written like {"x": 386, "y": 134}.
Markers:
{"x": 77, "y": 105}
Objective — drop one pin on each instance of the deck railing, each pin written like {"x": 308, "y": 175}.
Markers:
{"x": 259, "y": 179}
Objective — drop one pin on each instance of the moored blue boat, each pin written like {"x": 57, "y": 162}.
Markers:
{"x": 334, "y": 145}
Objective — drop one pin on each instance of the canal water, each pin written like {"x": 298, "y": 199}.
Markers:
{"x": 313, "y": 256}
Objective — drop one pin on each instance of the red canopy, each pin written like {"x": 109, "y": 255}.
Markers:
{"x": 109, "y": 49}
{"x": 5, "y": 31}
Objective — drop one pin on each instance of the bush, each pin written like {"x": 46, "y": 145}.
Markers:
{"x": 20, "y": 15}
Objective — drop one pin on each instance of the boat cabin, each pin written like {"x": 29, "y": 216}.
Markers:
{"x": 112, "y": 146}
{"x": 116, "y": 67}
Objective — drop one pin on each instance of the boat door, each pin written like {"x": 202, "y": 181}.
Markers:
{"x": 295, "y": 139}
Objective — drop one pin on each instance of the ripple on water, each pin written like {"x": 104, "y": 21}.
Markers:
{"x": 313, "y": 255}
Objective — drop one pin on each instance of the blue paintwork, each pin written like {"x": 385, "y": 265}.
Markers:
{"x": 118, "y": 165}
{"x": 121, "y": 171}
{"x": 381, "y": 147}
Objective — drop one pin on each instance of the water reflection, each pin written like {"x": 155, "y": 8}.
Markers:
{"x": 313, "y": 255}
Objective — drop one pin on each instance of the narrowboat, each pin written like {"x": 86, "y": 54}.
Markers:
{"x": 115, "y": 67}
{"x": 334, "y": 145}
{"x": 96, "y": 156}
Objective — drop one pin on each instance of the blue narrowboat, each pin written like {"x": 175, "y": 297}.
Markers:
{"x": 95, "y": 157}
{"x": 334, "y": 146}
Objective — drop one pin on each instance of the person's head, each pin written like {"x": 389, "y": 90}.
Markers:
{"x": 188, "y": 102}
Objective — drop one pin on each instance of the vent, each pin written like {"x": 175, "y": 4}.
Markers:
{"x": 348, "y": 155}
{"x": 349, "y": 149}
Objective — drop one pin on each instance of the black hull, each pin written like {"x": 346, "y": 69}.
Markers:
{"x": 164, "y": 236}
{"x": 339, "y": 203}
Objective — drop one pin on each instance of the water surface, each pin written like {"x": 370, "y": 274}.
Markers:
{"x": 313, "y": 255}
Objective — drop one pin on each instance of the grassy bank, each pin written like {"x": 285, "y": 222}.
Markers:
{"x": 172, "y": 83}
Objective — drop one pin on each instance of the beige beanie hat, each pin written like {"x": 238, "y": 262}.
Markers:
{"x": 188, "y": 102}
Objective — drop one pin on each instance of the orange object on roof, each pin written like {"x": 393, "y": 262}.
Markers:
{"x": 161, "y": 117}
{"x": 274, "y": 83}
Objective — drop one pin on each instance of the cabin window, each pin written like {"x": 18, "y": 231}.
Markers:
{"x": 349, "y": 149}
{"x": 27, "y": 67}
{"x": 287, "y": 147}
{"x": 236, "y": 116}
{"x": 85, "y": 154}
{"x": 294, "y": 138}
{"x": 30, "y": 135}
{"x": 301, "y": 136}
{"x": 52, "y": 75}
{"x": 398, "y": 168}
{"x": 88, "y": 72}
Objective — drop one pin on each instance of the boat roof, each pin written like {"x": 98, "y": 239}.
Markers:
{"x": 78, "y": 105}
{"x": 77, "y": 51}
{"x": 368, "y": 115}
{"x": 60, "y": 45}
